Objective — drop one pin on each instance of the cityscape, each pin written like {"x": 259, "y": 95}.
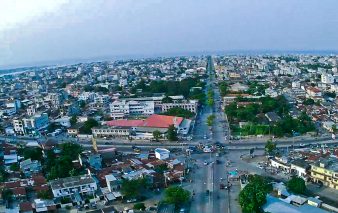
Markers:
{"x": 212, "y": 132}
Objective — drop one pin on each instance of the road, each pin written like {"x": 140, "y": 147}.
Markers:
{"x": 208, "y": 177}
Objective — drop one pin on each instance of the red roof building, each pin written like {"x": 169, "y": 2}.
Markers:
{"x": 155, "y": 121}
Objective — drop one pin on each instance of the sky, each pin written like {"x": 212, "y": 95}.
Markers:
{"x": 37, "y": 31}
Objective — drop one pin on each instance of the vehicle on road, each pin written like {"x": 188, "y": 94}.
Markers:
{"x": 207, "y": 192}
{"x": 222, "y": 186}
{"x": 136, "y": 149}
{"x": 205, "y": 163}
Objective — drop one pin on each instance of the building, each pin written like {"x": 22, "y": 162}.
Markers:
{"x": 143, "y": 129}
{"x": 313, "y": 92}
{"x": 111, "y": 132}
{"x": 36, "y": 122}
{"x": 79, "y": 184}
{"x": 18, "y": 126}
{"x": 123, "y": 108}
{"x": 162, "y": 154}
{"x": 325, "y": 171}
{"x": 327, "y": 78}
{"x": 191, "y": 105}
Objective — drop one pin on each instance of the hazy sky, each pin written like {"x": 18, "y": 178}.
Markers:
{"x": 51, "y": 30}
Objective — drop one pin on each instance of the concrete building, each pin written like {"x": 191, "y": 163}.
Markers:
{"x": 64, "y": 187}
{"x": 325, "y": 171}
{"x": 162, "y": 154}
{"x": 327, "y": 78}
{"x": 191, "y": 105}
{"x": 125, "y": 108}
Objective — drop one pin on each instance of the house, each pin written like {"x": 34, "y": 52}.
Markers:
{"x": 300, "y": 168}
{"x": 272, "y": 117}
{"x": 25, "y": 207}
{"x": 74, "y": 130}
{"x": 44, "y": 205}
{"x": 325, "y": 171}
{"x": 161, "y": 153}
{"x": 280, "y": 163}
{"x": 64, "y": 187}
{"x": 113, "y": 183}
{"x": 28, "y": 167}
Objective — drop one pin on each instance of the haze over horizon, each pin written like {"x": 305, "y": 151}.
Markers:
{"x": 41, "y": 30}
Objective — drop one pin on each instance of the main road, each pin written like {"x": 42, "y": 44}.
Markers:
{"x": 207, "y": 178}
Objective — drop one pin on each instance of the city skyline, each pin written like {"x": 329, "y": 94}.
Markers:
{"x": 81, "y": 30}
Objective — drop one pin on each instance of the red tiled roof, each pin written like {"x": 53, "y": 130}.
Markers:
{"x": 14, "y": 184}
{"x": 26, "y": 206}
{"x": 162, "y": 121}
{"x": 157, "y": 121}
{"x": 39, "y": 180}
{"x": 19, "y": 191}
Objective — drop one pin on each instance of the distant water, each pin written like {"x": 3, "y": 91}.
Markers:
{"x": 31, "y": 66}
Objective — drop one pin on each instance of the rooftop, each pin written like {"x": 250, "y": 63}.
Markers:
{"x": 71, "y": 182}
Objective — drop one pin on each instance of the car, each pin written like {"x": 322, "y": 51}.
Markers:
{"x": 106, "y": 143}
{"x": 217, "y": 154}
{"x": 205, "y": 163}
{"x": 207, "y": 192}
{"x": 136, "y": 149}
{"x": 131, "y": 200}
{"x": 222, "y": 186}
{"x": 205, "y": 136}
{"x": 183, "y": 210}
{"x": 218, "y": 162}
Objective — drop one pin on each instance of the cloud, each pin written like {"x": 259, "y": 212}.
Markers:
{"x": 16, "y": 13}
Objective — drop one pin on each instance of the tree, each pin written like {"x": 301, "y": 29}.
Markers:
{"x": 45, "y": 194}
{"x": 139, "y": 206}
{"x": 133, "y": 188}
{"x": 33, "y": 153}
{"x": 296, "y": 185}
{"x": 7, "y": 195}
{"x": 176, "y": 195}
{"x": 3, "y": 175}
{"x": 73, "y": 120}
{"x": 270, "y": 147}
{"x": 172, "y": 133}
{"x": 88, "y": 125}
{"x": 157, "y": 135}
{"x": 179, "y": 112}
{"x": 210, "y": 120}
{"x": 253, "y": 195}
{"x": 14, "y": 167}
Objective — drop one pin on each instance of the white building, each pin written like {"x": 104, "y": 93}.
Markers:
{"x": 191, "y": 105}
{"x": 327, "y": 78}
{"x": 101, "y": 99}
{"x": 162, "y": 154}
{"x": 36, "y": 122}
{"x": 87, "y": 96}
{"x": 79, "y": 184}
{"x": 123, "y": 108}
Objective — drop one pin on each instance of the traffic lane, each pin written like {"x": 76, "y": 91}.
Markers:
{"x": 221, "y": 195}
{"x": 201, "y": 179}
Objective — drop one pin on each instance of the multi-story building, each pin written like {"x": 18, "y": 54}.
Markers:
{"x": 327, "y": 78}
{"x": 101, "y": 99}
{"x": 36, "y": 122}
{"x": 18, "y": 126}
{"x": 111, "y": 131}
{"x": 123, "y": 108}
{"x": 325, "y": 171}
{"x": 64, "y": 187}
{"x": 190, "y": 105}
{"x": 87, "y": 96}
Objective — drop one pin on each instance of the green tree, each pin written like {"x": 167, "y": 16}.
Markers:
{"x": 33, "y": 153}
{"x": 14, "y": 167}
{"x": 270, "y": 147}
{"x": 210, "y": 120}
{"x": 179, "y": 112}
{"x": 176, "y": 195}
{"x": 172, "y": 133}
{"x": 133, "y": 188}
{"x": 139, "y": 206}
{"x": 7, "y": 195}
{"x": 73, "y": 120}
{"x": 3, "y": 175}
{"x": 45, "y": 194}
{"x": 253, "y": 195}
{"x": 157, "y": 135}
{"x": 88, "y": 125}
{"x": 296, "y": 185}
